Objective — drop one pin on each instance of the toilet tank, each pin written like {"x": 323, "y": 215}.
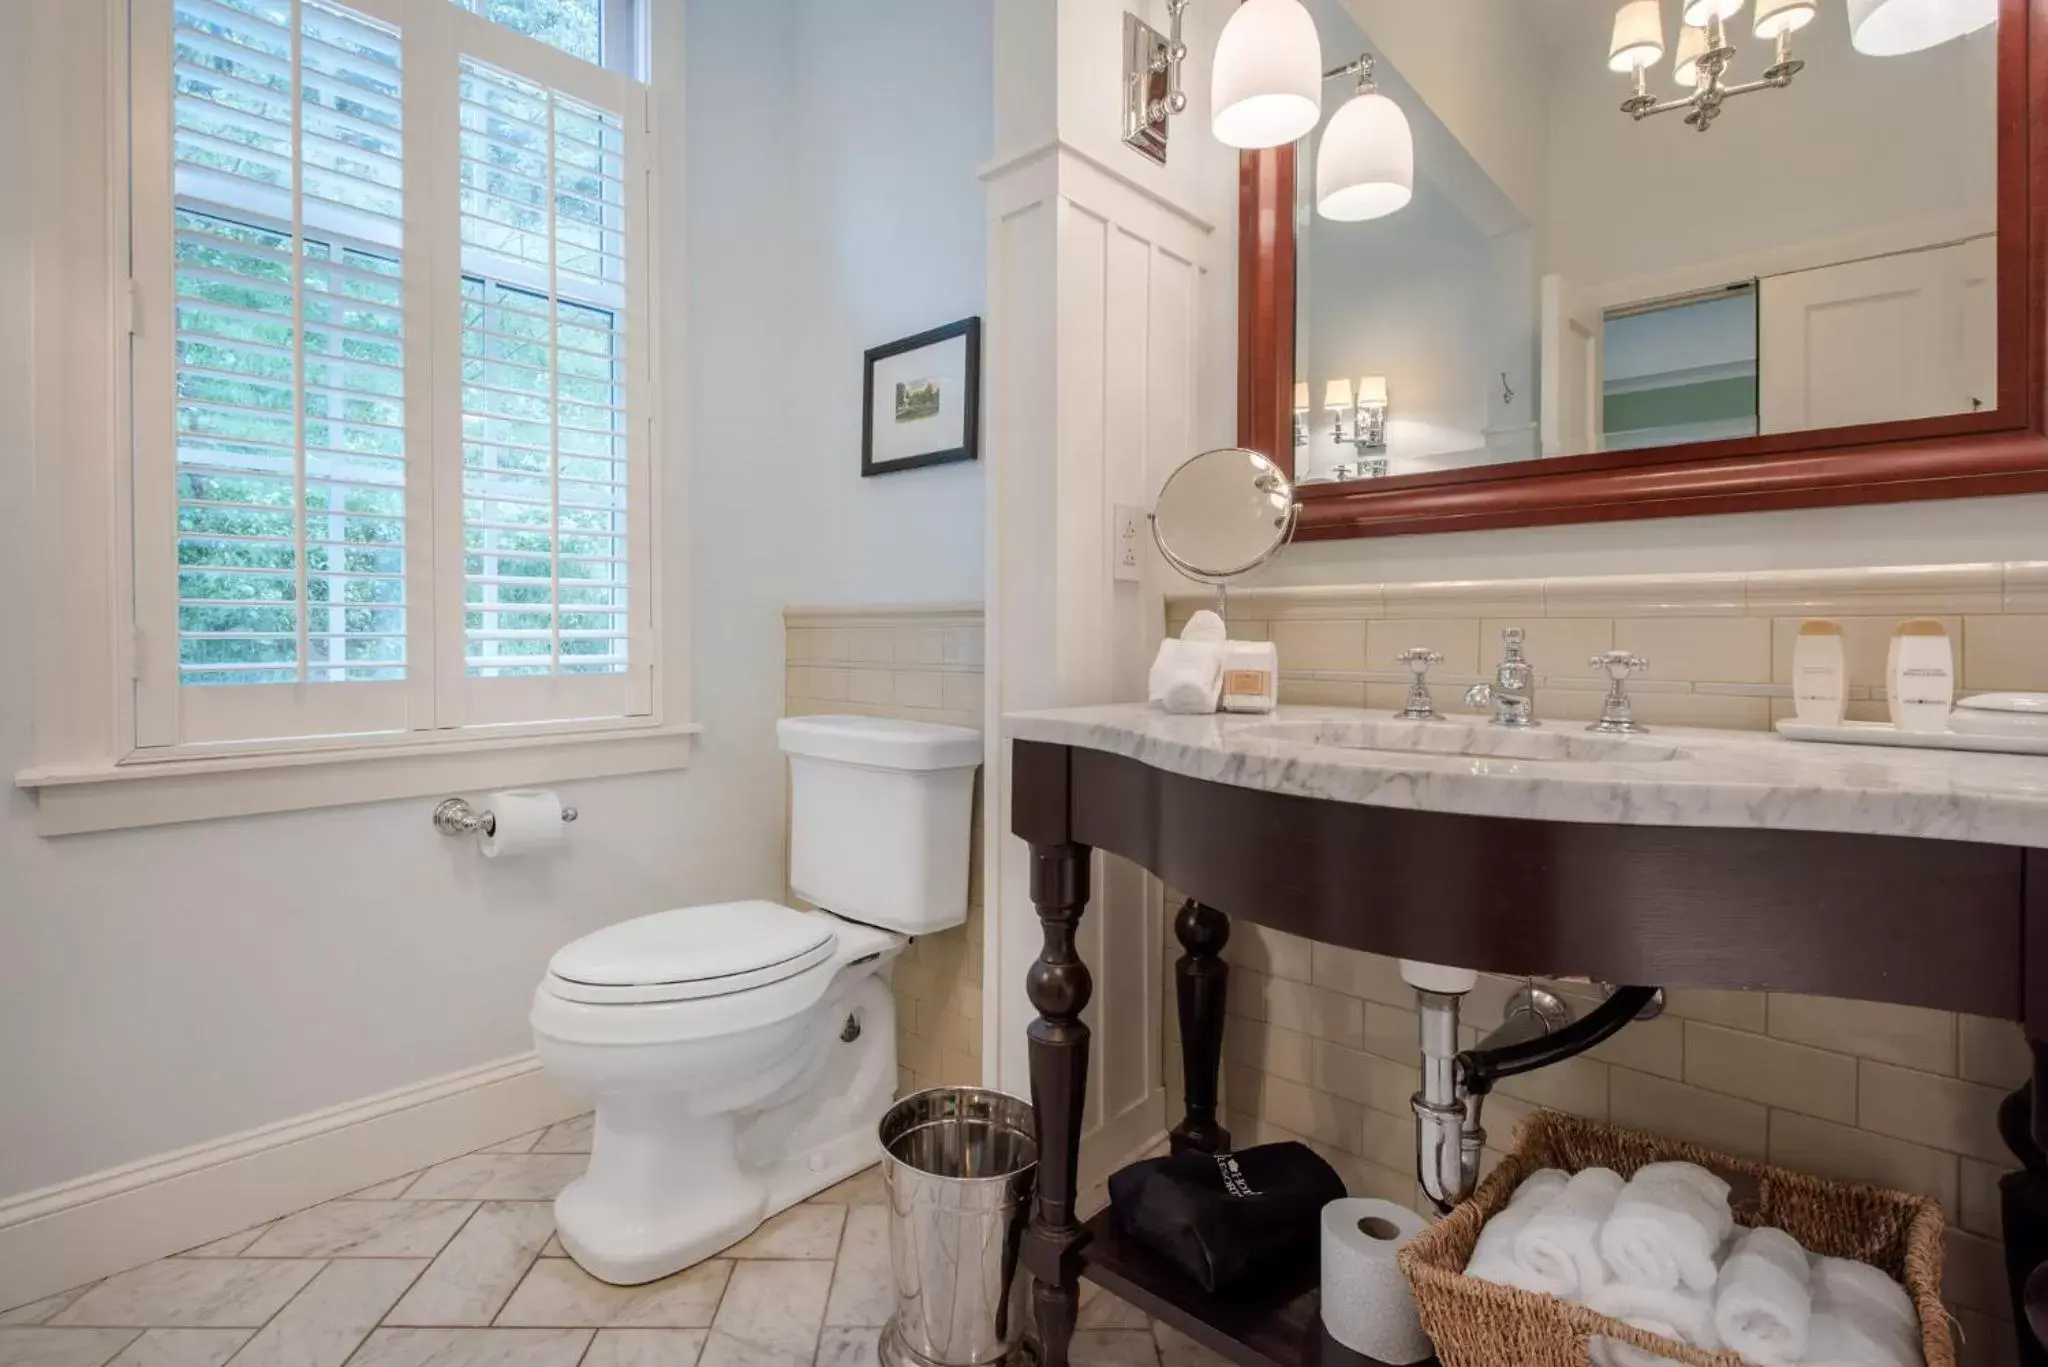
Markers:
{"x": 881, "y": 813}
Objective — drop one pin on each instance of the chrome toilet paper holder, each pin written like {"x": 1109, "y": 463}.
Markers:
{"x": 454, "y": 816}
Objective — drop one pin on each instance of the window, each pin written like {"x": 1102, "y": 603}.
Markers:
{"x": 390, "y": 371}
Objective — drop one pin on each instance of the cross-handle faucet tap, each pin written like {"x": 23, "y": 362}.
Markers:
{"x": 1417, "y": 706}
{"x": 1511, "y": 695}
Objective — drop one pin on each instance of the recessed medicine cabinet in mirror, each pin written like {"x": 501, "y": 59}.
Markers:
{"x": 1670, "y": 263}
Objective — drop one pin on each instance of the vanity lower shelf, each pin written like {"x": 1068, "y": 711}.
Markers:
{"x": 1274, "y": 1323}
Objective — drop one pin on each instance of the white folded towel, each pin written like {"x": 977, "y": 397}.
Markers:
{"x": 1560, "y": 1247}
{"x": 1187, "y": 676}
{"x": 1670, "y": 1222}
{"x": 1687, "y": 1316}
{"x": 1861, "y": 1317}
{"x": 1493, "y": 1256}
{"x": 1764, "y": 1305}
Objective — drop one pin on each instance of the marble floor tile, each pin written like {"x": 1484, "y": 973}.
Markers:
{"x": 182, "y": 1348}
{"x": 1178, "y": 1350}
{"x": 645, "y": 1348}
{"x": 770, "y": 1314}
{"x": 864, "y": 1285}
{"x": 518, "y": 1143}
{"x": 799, "y": 1232}
{"x": 1113, "y": 1348}
{"x": 1102, "y": 1310}
{"x": 193, "y": 1293}
{"x": 233, "y": 1246}
{"x": 553, "y": 1248}
{"x": 472, "y": 1348}
{"x": 43, "y": 1347}
{"x": 471, "y": 1279}
{"x": 570, "y": 1136}
{"x": 500, "y": 1177}
{"x": 864, "y": 1188}
{"x": 323, "y": 1324}
{"x": 35, "y": 1312}
{"x": 558, "y": 1294}
{"x": 849, "y": 1348}
{"x": 384, "y": 1191}
{"x": 364, "y": 1229}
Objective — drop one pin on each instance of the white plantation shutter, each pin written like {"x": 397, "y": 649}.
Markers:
{"x": 389, "y": 375}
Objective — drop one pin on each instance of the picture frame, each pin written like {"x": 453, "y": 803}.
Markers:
{"x": 921, "y": 400}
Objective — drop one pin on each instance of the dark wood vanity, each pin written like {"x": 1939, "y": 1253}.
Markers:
{"x": 1946, "y": 924}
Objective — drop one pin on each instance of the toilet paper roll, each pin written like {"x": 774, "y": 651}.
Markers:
{"x": 1367, "y": 1304}
{"x": 525, "y": 819}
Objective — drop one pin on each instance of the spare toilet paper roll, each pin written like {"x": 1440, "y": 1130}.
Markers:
{"x": 525, "y": 819}
{"x": 1367, "y": 1304}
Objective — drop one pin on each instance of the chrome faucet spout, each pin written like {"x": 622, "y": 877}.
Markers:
{"x": 1511, "y": 695}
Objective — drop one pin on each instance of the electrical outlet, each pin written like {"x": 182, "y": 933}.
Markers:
{"x": 1129, "y": 521}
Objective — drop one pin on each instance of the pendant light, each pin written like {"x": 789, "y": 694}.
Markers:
{"x": 1267, "y": 84}
{"x": 1890, "y": 28}
{"x": 1365, "y": 167}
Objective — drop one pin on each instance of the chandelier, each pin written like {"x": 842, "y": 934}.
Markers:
{"x": 1704, "y": 55}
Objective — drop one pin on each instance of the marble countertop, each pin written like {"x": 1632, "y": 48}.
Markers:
{"x": 1560, "y": 772}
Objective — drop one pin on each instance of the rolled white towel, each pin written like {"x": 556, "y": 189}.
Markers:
{"x": 1681, "y": 1314}
{"x": 1840, "y": 1340}
{"x": 1671, "y": 1220}
{"x": 1560, "y": 1247}
{"x": 1186, "y": 676}
{"x": 1764, "y": 1305}
{"x": 1493, "y": 1256}
{"x": 1861, "y": 1316}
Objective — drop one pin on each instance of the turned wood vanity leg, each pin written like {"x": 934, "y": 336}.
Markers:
{"x": 1059, "y": 986}
{"x": 1201, "y": 984}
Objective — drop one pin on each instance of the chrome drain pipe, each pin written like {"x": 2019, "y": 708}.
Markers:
{"x": 1448, "y": 1135}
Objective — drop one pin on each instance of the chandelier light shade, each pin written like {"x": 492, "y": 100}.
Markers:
{"x": 1638, "y": 37}
{"x": 1365, "y": 167}
{"x": 1692, "y": 45}
{"x": 1775, "y": 17}
{"x": 1267, "y": 86}
{"x": 1891, "y": 28}
{"x": 1698, "y": 12}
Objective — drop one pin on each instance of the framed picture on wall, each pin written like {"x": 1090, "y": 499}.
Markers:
{"x": 923, "y": 400}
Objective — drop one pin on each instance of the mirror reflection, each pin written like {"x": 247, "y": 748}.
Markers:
{"x": 1536, "y": 228}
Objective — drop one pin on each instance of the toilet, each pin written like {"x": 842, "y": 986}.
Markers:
{"x": 739, "y": 1055}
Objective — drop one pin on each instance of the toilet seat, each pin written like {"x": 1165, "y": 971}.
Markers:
{"x": 691, "y": 953}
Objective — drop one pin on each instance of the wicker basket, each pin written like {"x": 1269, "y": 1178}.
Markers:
{"x": 1483, "y": 1324}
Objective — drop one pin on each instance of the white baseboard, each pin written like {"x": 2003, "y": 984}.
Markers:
{"x": 79, "y": 1231}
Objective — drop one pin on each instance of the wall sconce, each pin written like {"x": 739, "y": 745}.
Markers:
{"x": 1266, "y": 87}
{"x": 1301, "y": 412}
{"x": 1366, "y": 411}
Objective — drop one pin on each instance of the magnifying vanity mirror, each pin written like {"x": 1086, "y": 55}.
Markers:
{"x": 1223, "y": 513}
{"x": 1620, "y": 284}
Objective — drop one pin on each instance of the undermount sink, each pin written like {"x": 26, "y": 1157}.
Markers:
{"x": 1477, "y": 739}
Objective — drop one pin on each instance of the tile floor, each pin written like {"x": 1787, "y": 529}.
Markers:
{"x": 457, "y": 1266}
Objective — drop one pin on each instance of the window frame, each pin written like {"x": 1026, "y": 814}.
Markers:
{"x": 437, "y": 701}
{"x": 82, "y": 313}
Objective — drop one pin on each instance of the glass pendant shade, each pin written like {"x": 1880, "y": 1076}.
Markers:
{"x": 1638, "y": 37}
{"x": 1692, "y": 45}
{"x": 1890, "y": 28}
{"x": 1776, "y": 17}
{"x": 1365, "y": 167}
{"x": 1698, "y": 12}
{"x": 1267, "y": 84}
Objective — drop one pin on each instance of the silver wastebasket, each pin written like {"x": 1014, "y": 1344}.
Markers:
{"x": 958, "y": 1163}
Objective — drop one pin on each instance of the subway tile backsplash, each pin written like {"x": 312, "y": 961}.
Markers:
{"x": 1320, "y": 1042}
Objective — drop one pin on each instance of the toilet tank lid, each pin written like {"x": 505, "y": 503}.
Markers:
{"x": 881, "y": 742}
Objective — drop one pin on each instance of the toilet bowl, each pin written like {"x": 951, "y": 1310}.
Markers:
{"x": 739, "y": 1055}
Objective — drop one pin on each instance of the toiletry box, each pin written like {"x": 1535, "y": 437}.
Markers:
{"x": 1483, "y": 1324}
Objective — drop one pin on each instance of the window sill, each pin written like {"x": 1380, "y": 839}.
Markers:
{"x": 74, "y": 799}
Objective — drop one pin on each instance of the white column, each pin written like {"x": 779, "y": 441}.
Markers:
{"x": 1109, "y": 359}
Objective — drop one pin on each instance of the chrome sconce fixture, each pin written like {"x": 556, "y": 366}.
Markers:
{"x": 1704, "y": 54}
{"x": 1366, "y": 411}
{"x": 1266, "y": 87}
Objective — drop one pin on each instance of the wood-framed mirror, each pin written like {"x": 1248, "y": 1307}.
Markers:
{"x": 1837, "y": 293}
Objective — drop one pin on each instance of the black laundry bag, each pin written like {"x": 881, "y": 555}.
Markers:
{"x": 1221, "y": 1219}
